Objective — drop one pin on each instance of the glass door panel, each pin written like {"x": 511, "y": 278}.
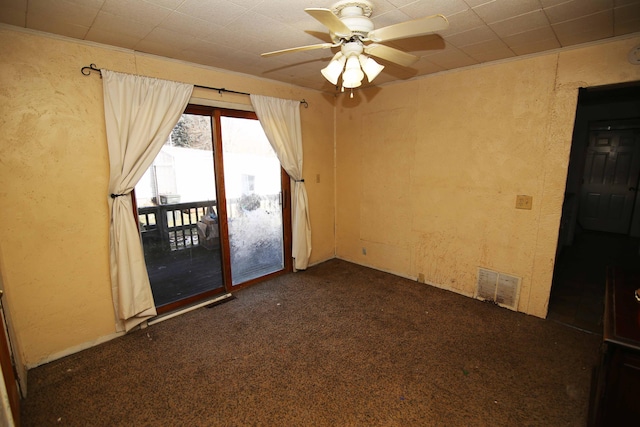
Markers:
{"x": 177, "y": 213}
{"x": 253, "y": 188}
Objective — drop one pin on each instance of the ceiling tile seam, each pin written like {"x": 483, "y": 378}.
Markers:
{"x": 253, "y": 6}
{"x": 480, "y": 4}
{"x": 488, "y": 51}
{"x": 26, "y": 22}
{"x": 166, "y": 18}
{"x": 177, "y": 34}
{"x": 95, "y": 17}
{"x": 546, "y": 15}
{"x": 517, "y": 58}
{"x": 582, "y": 17}
{"x": 175, "y": 10}
{"x": 542, "y": 9}
{"x": 192, "y": 64}
{"x": 489, "y": 27}
{"x": 93, "y": 22}
{"x": 246, "y": 12}
{"x": 142, "y": 39}
{"x": 459, "y": 32}
{"x": 613, "y": 20}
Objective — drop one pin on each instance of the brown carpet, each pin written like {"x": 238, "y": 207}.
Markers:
{"x": 336, "y": 345}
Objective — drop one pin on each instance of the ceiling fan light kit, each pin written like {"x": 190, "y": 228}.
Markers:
{"x": 332, "y": 71}
{"x": 370, "y": 67}
{"x": 351, "y": 29}
{"x": 352, "y": 75}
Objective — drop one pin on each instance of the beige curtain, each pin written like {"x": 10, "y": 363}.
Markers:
{"x": 280, "y": 119}
{"x": 140, "y": 113}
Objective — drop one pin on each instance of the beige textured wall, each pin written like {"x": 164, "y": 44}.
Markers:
{"x": 426, "y": 174}
{"x": 428, "y": 170}
{"x": 53, "y": 181}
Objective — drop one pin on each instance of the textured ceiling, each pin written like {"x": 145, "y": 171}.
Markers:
{"x": 231, "y": 34}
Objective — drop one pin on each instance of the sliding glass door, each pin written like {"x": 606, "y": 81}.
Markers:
{"x": 177, "y": 213}
{"x": 212, "y": 209}
{"x": 253, "y": 187}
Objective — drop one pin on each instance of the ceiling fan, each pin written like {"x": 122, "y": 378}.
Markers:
{"x": 353, "y": 32}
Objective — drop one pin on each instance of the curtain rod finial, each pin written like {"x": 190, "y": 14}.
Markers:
{"x": 88, "y": 69}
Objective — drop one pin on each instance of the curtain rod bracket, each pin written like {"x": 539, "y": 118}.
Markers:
{"x": 93, "y": 67}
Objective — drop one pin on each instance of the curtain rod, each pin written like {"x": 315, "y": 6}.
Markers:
{"x": 92, "y": 67}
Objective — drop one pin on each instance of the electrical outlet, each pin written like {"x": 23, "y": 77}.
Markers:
{"x": 524, "y": 202}
{"x": 364, "y": 251}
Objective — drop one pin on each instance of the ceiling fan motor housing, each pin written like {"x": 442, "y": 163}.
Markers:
{"x": 355, "y": 15}
{"x": 352, "y": 49}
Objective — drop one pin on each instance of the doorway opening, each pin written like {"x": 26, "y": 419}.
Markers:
{"x": 600, "y": 223}
{"x": 213, "y": 209}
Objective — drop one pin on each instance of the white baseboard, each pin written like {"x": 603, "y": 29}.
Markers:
{"x": 168, "y": 316}
{"x": 75, "y": 349}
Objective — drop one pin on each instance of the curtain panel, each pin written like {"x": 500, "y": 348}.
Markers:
{"x": 140, "y": 113}
{"x": 280, "y": 119}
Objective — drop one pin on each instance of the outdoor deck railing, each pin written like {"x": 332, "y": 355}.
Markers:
{"x": 173, "y": 227}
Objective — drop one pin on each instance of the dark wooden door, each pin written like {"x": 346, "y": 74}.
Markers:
{"x": 8, "y": 373}
{"x": 610, "y": 179}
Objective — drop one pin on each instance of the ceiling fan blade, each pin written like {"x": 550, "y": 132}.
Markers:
{"x": 299, "y": 49}
{"x": 391, "y": 54}
{"x": 331, "y": 21}
{"x": 416, "y": 27}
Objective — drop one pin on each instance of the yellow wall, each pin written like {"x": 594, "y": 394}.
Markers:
{"x": 428, "y": 170}
{"x": 53, "y": 181}
{"x": 426, "y": 174}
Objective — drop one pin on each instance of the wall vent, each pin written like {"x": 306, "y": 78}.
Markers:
{"x": 499, "y": 288}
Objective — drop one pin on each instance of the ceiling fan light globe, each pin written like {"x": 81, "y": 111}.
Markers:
{"x": 353, "y": 63}
{"x": 332, "y": 71}
{"x": 370, "y": 67}
{"x": 352, "y": 75}
{"x": 331, "y": 77}
{"x": 350, "y": 84}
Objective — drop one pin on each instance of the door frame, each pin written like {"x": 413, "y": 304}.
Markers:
{"x": 218, "y": 166}
{"x": 222, "y": 204}
{"x": 595, "y": 126}
{"x": 8, "y": 369}
{"x": 599, "y": 103}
